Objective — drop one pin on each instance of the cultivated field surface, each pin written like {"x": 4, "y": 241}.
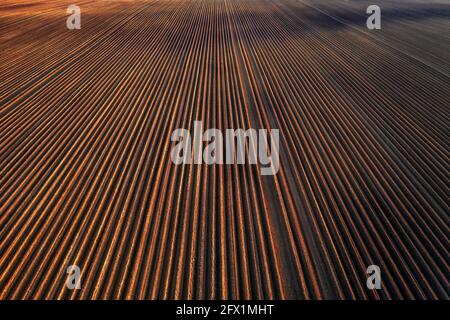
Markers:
{"x": 86, "y": 177}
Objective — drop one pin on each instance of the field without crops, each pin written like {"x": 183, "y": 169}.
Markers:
{"x": 86, "y": 177}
